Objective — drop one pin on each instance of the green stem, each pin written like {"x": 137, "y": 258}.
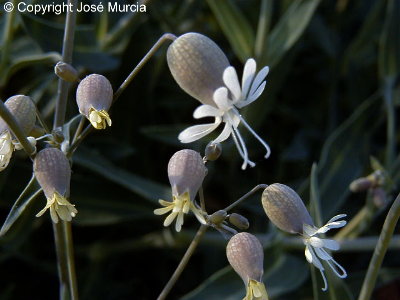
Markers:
{"x": 61, "y": 259}
{"x": 380, "y": 250}
{"x": 78, "y": 129}
{"x": 67, "y": 50}
{"x": 70, "y": 259}
{"x": 391, "y": 121}
{"x": 124, "y": 85}
{"x": 245, "y": 196}
{"x": 188, "y": 254}
{"x": 16, "y": 129}
{"x": 157, "y": 45}
{"x": 7, "y": 37}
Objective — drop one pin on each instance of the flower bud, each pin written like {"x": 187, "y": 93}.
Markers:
{"x": 186, "y": 172}
{"x": 285, "y": 208}
{"x": 197, "y": 64}
{"x": 66, "y": 72}
{"x": 94, "y": 97}
{"x": 213, "y": 151}
{"x": 52, "y": 171}
{"x": 239, "y": 221}
{"x": 24, "y": 111}
{"x": 246, "y": 256}
{"x": 360, "y": 185}
{"x": 218, "y": 217}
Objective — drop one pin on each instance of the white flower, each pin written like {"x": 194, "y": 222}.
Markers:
{"x": 228, "y": 100}
{"x": 315, "y": 247}
{"x": 6, "y": 149}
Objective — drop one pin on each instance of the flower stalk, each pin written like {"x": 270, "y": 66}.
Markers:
{"x": 185, "y": 259}
{"x": 380, "y": 250}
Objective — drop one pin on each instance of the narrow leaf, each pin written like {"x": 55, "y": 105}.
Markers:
{"x": 235, "y": 27}
{"x": 31, "y": 191}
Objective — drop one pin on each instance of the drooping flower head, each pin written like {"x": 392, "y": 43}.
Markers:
{"x": 94, "y": 97}
{"x": 186, "y": 172}
{"x": 287, "y": 211}
{"x": 246, "y": 256}
{"x": 202, "y": 70}
{"x": 53, "y": 172}
{"x": 24, "y": 111}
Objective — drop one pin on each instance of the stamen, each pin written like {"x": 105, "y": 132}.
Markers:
{"x": 254, "y": 133}
{"x": 242, "y": 148}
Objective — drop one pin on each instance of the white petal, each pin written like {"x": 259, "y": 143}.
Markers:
{"x": 226, "y": 132}
{"x": 316, "y": 242}
{"x": 309, "y": 230}
{"x": 206, "y": 111}
{"x": 221, "y": 99}
{"x": 312, "y": 258}
{"x": 342, "y": 273}
{"x": 337, "y": 218}
{"x": 308, "y": 254}
{"x": 259, "y": 79}
{"x": 248, "y": 75}
{"x": 171, "y": 217}
{"x": 196, "y": 132}
{"x": 232, "y": 82}
{"x": 331, "y": 244}
{"x": 179, "y": 222}
{"x": 322, "y": 254}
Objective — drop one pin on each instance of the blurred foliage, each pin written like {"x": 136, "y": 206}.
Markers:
{"x": 331, "y": 98}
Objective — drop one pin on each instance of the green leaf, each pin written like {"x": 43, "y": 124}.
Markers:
{"x": 31, "y": 191}
{"x": 388, "y": 58}
{"x": 344, "y": 154}
{"x": 288, "y": 30}
{"x": 146, "y": 188}
{"x": 235, "y": 27}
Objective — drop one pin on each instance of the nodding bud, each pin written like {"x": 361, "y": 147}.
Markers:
{"x": 218, "y": 217}
{"x": 246, "y": 256}
{"x": 285, "y": 208}
{"x": 213, "y": 151}
{"x": 239, "y": 221}
{"x": 360, "y": 184}
{"x": 197, "y": 64}
{"x": 186, "y": 172}
{"x": 94, "y": 97}
{"x": 24, "y": 111}
{"x": 66, "y": 72}
{"x": 52, "y": 171}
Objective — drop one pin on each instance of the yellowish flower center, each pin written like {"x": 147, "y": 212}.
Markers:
{"x": 256, "y": 291}
{"x": 99, "y": 118}
{"x": 59, "y": 208}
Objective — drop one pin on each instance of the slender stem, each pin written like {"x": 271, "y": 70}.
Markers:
{"x": 70, "y": 259}
{"x": 79, "y": 139}
{"x": 391, "y": 121}
{"x": 380, "y": 250}
{"x": 16, "y": 129}
{"x": 127, "y": 81}
{"x": 124, "y": 85}
{"x": 201, "y": 196}
{"x": 185, "y": 259}
{"x": 41, "y": 120}
{"x": 67, "y": 50}
{"x": 78, "y": 129}
{"x": 245, "y": 196}
{"x": 7, "y": 36}
{"x": 62, "y": 263}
